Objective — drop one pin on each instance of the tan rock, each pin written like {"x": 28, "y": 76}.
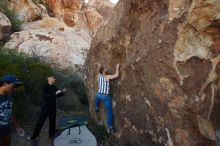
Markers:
{"x": 26, "y": 10}
{"x": 206, "y": 128}
{"x": 53, "y": 42}
{"x": 94, "y": 19}
{"x": 65, "y": 9}
{"x": 182, "y": 137}
{"x": 104, "y": 7}
{"x": 5, "y": 27}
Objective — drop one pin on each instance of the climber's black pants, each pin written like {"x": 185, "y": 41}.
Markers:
{"x": 45, "y": 112}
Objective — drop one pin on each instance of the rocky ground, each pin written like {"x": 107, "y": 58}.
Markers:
{"x": 43, "y": 138}
{"x": 23, "y": 141}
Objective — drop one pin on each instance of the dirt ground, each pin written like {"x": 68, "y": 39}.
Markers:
{"x": 43, "y": 138}
{"x": 23, "y": 141}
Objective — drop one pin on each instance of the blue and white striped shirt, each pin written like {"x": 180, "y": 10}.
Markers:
{"x": 104, "y": 85}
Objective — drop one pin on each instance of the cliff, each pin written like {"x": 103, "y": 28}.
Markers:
{"x": 167, "y": 93}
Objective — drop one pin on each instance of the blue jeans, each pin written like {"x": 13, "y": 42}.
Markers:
{"x": 106, "y": 99}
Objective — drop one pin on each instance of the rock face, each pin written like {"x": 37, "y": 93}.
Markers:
{"x": 168, "y": 90}
{"x": 26, "y": 10}
{"x": 5, "y": 27}
{"x": 94, "y": 19}
{"x": 62, "y": 40}
{"x": 53, "y": 42}
{"x": 65, "y": 9}
{"x": 104, "y": 7}
{"x": 95, "y": 12}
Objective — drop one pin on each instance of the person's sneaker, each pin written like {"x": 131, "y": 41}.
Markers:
{"x": 52, "y": 142}
{"x": 111, "y": 130}
{"x": 30, "y": 138}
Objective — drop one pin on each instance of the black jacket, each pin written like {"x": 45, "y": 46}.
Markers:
{"x": 49, "y": 96}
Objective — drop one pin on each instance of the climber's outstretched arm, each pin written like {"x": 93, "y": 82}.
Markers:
{"x": 116, "y": 75}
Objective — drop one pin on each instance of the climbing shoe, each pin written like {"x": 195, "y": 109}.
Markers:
{"x": 111, "y": 130}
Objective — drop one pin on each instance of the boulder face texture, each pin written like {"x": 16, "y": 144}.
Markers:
{"x": 5, "y": 27}
{"x": 53, "y": 42}
{"x": 104, "y": 7}
{"x": 95, "y": 12}
{"x": 61, "y": 42}
{"x": 25, "y": 10}
{"x": 65, "y": 9}
{"x": 168, "y": 90}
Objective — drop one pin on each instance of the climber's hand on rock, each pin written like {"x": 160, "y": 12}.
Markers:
{"x": 118, "y": 66}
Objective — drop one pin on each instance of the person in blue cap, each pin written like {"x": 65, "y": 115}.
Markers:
{"x": 8, "y": 84}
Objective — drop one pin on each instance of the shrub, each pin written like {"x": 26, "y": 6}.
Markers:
{"x": 34, "y": 73}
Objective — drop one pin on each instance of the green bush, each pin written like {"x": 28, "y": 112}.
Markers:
{"x": 15, "y": 22}
{"x": 34, "y": 73}
{"x": 75, "y": 99}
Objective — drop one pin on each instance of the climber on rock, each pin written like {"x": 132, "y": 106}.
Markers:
{"x": 48, "y": 109}
{"x": 104, "y": 94}
{"x": 8, "y": 84}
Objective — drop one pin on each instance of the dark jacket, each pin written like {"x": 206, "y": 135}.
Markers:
{"x": 49, "y": 96}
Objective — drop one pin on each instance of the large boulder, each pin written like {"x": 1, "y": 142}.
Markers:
{"x": 5, "y": 27}
{"x": 25, "y": 10}
{"x": 53, "y": 42}
{"x": 65, "y": 9}
{"x": 61, "y": 42}
{"x": 95, "y": 11}
{"x": 104, "y": 7}
{"x": 94, "y": 19}
{"x": 167, "y": 93}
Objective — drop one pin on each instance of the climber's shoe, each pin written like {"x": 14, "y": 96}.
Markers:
{"x": 111, "y": 130}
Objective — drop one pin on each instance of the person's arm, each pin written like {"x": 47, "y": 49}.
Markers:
{"x": 18, "y": 128}
{"x": 61, "y": 92}
{"x": 116, "y": 75}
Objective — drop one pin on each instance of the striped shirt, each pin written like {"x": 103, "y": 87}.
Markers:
{"x": 104, "y": 85}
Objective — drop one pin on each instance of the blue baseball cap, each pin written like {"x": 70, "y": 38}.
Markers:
{"x": 12, "y": 79}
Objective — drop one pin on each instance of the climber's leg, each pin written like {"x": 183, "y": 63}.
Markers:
{"x": 108, "y": 105}
{"x": 97, "y": 102}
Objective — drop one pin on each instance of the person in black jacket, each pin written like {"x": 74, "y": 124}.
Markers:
{"x": 48, "y": 109}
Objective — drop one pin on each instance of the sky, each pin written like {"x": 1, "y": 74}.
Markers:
{"x": 113, "y": 1}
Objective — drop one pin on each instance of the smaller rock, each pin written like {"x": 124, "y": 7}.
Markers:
{"x": 94, "y": 18}
{"x": 104, "y": 7}
{"x": 5, "y": 27}
{"x": 206, "y": 128}
{"x": 182, "y": 137}
{"x": 25, "y": 10}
